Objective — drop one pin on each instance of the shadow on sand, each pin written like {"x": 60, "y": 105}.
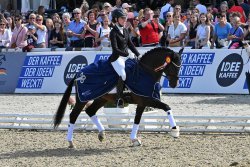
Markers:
{"x": 57, "y": 152}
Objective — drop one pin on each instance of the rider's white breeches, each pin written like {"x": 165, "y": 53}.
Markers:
{"x": 119, "y": 66}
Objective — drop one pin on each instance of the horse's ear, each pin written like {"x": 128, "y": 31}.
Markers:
{"x": 181, "y": 50}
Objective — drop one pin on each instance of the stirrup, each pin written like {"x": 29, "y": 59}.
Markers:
{"x": 120, "y": 103}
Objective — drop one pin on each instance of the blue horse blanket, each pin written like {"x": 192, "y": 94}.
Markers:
{"x": 100, "y": 78}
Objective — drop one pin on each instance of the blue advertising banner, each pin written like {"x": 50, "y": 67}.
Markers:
{"x": 36, "y": 68}
{"x": 50, "y": 72}
{"x": 211, "y": 71}
{"x": 202, "y": 71}
{"x": 193, "y": 65}
{"x": 10, "y": 68}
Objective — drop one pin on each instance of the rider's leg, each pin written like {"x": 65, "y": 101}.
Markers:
{"x": 119, "y": 67}
{"x": 119, "y": 90}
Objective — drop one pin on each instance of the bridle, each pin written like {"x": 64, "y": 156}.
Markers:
{"x": 161, "y": 68}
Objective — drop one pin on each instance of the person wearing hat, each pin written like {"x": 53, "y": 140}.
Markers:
{"x": 126, "y": 6}
{"x": 120, "y": 42}
{"x": 31, "y": 38}
{"x": 107, "y": 7}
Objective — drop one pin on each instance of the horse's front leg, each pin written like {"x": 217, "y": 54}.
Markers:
{"x": 72, "y": 119}
{"x": 91, "y": 112}
{"x": 133, "y": 135}
{"x": 175, "y": 131}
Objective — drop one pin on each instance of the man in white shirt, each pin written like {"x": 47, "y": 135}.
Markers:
{"x": 199, "y": 6}
{"x": 166, "y": 8}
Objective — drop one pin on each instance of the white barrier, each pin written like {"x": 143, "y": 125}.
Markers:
{"x": 149, "y": 123}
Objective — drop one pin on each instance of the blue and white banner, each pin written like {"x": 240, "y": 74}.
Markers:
{"x": 44, "y": 72}
{"x": 212, "y": 71}
{"x": 203, "y": 71}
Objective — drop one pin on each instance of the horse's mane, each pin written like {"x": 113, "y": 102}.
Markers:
{"x": 157, "y": 50}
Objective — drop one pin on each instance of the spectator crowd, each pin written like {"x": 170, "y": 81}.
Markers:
{"x": 197, "y": 27}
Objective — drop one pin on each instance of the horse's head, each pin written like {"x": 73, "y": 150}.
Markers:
{"x": 164, "y": 60}
{"x": 172, "y": 68}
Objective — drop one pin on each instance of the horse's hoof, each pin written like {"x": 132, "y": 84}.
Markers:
{"x": 136, "y": 142}
{"x": 175, "y": 132}
{"x": 71, "y": 144}
{"x": 101, "y": 136}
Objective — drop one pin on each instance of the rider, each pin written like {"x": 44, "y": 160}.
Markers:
{"x": 120, "y": 42}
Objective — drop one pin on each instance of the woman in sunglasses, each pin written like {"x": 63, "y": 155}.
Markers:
{"x": 5, "y": 35}
{"x": 41, "y": 32}
{"x": 168, "y": 22}
{"x": 19, "y": 34}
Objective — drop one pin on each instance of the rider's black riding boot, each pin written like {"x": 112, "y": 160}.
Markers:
{"x": 119, "y": 89}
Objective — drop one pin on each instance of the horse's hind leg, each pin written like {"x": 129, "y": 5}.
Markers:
{"x": 91, "y": 111}
{"x": 133, "y": 135}
{"x": 72, "y": 119}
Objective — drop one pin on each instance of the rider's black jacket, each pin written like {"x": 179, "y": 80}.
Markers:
{"x": 120, "y": 44}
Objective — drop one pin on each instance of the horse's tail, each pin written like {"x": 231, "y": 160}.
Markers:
{"x": 63, "y": 104}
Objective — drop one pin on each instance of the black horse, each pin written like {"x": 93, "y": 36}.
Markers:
{"x": 156, "y": 62}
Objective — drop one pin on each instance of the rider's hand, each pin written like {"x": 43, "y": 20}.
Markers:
{"x": 139, "y": 57}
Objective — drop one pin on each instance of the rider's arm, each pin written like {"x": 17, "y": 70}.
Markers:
{"x": 114, "y": 45}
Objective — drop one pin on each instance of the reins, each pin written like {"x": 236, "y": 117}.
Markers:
{"x": 160, "y": 68}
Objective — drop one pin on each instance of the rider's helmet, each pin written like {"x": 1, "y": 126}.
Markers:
{"x": 118, "y": 13}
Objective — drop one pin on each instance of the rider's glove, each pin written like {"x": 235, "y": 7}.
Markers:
{"x": 139, "y": 57}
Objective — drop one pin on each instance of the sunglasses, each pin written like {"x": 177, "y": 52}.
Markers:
{"x": 17, "y": 19}
{"x": 136, "y": 19}
{"x": 2, "y": 24}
